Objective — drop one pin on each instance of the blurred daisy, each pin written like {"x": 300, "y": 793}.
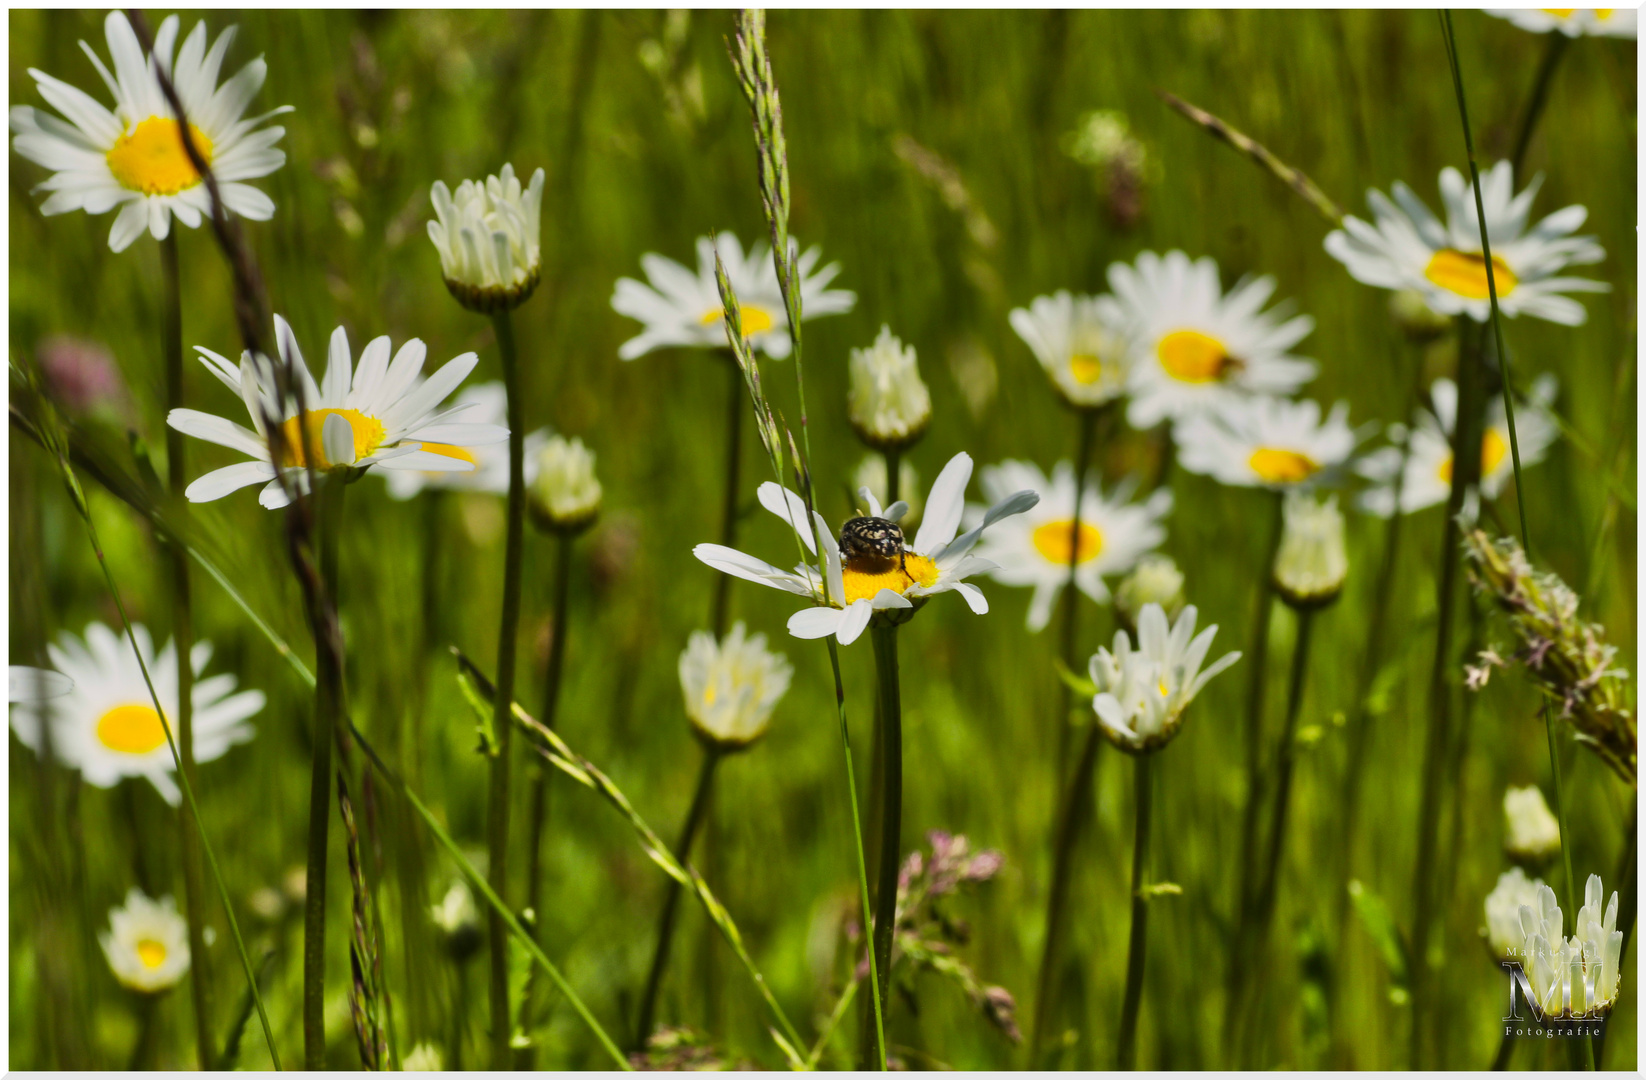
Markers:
{"x": 936, "y": 562}
{"x": 26, "y": 684}
{"x": 1081, "y": 342}
{"x": 376, "y": 414}
{"x": 1311, "y": 562}
{"x": 1531, "y": 832}
{"x": 1154, "y": 580}
{"x": 565, "y": 496}
{"x": 1142, "y": 693}
{"x": 487, "y": 403}
{"x": 1034, "y": 548}
{"x": 732, "y": 686}
{"x": 682, "y": 308}
{"x": 1573, "y": 22}
{"x": 1194, "y": 348}
{"x": 488, "y": 239}
{"x": 888, "y": 403}
{"x": 147, "y": 943}
{"x": 1266, "y": 442}
{"x": 1503, "y": 930}
{"x": 133, "y": 157}
{"x": 1409, "y": 248}
{"x": 1429, "y": 458}
{"x": 106, "y": 725}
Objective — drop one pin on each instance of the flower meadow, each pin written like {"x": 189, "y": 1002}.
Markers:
{"x": 982, "y": 540}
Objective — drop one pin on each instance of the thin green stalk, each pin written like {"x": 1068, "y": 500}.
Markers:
{"x": 1627, "y": 873}
{"x": 862, "y": 868}
{"x": 1514, "y": 440}
{"x": 894, "y": 465}
{"x": 841, "y": 1007}
{"x": 147, "y": 1046}
{"x": 497, "y": 816}
{"x": 1077, "y": 797}
{"x": 1505, "y": 1051}
{"x": 1071, "y": 594}
{"x": 551, "y": 706}
{"x": 671, "y": 900}
{"x": 1553, "y": 50}
{"x": 728, "y": 512}
{"x": 327, "y": 707}
{"x": 1126, "y": 1056}
{"x": 884, "y": 637}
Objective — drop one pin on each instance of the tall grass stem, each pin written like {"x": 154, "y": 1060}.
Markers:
{"x": 728, "y": 512}
{"x": 1126, "y": 1055}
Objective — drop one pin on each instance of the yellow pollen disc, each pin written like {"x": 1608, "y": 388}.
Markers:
{"x": 1464, "y": 273}
{"x": 919, "y": 571}
{"x": 150, "y": 157}
{"x": 151, "y": 952}
{"x": 1052, "y": 541}
{"x": 1493, "y": 449}
{"x": 1085, "y": 369}
{"x": 1563, "y": 13}
{"x": 755, "y": 320}
{"x": 1192, "y": 357}
{"x": 131, "y": 729}
{"x": 368, "y": 436}
{"x": 1281, "y": 466}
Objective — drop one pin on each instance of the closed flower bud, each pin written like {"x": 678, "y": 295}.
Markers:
{"x": 1503, "y": 931}
{"x": 1415, "y": 318}
{"x": 1311, "y": 564}
{"x": 731, "y": 686}
{"x": 565, "y": 496}
{"x": 487, "y": 236}
{"x": 1155, "y": 580}
{"x": 1531, "y": 835}
{"x": 889, "y": 404}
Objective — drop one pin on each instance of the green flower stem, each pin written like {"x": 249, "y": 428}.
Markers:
{"x": 182, "y": 629}
{"x": 497, "y": 817}
{"x": 894, "y": 463}
{"x": 1554, "y": 48}
{"x": 728, "y": 512}
{"x": 327, "y": 708}
{"x": 671, "y": 900}
{"x": 884, "y": 636}
{"x": 1071, "y": 595}
{"x": 1505, "y": 1051}
{"x": 1126, "y": 1056}
{"x": 1627, "y": 873}
{"x": 1076, "y": 798}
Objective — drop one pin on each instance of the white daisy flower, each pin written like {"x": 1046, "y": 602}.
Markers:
{"x": 147, "y": 943}
{"x": 1142, "y": 693}
{"x": 1194, "y": 348}
{"x": 487, "y": 404}
{"x": 680, "y": 308}
{"x": 377, "y": 414}
{"x": 1081, "y": 342}
{"x": 1573, "y": 22}
{"x": 1531, "y": 832}
{"x": 1265, "y": 441}
{"x": 565, "y": 496}
{"x": 1514, "y": 890}
{"x": 133, "y": 157}
{"x": 106, "y": 725}
{"x": 1033, "y": 549}
{"x": 488, "y": 239}
{"x": 1409, "y": 248}
{"x": 732, "y": 686}
{"x": 880, "y": 580}
{"x": 1428, "y": 479}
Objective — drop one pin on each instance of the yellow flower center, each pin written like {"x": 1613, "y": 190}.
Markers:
{"x": 1464, "y": 273}
{"x": 1085, "y": 368}
{"x": 460, "y": 453}
{"x": 1192, "y": 357}
{"x": 1275, "y": 466}
{"x": 150, "y": 157}
{"x": 1493, "y": 449}
{"x": 368, "y": 436}
{"x": 709, "y": 696}
{"x": 1561, "y": 13}
{"x": 130, "y": 729}
{"x": 916, "y": 570}
{"x": 151, "y": 952}
{"x": 1052, "y": 541}
{"x": 756, "y": 320}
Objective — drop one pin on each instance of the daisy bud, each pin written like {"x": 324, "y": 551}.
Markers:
{"x": 425, "y": 1058}
{"x": 731, "y": 686}
{"x": 565, "y": 497}
{"x": 1416, "y": 319}
{"x": 1155, "y": 580}
{"x": 1531, "y": 835}
{"x": 889, "y": 404}
{"x": 147, "y": 943}
{"x": 871, "y": 474}
{"x": 487, "y": 236}
{"x": 1311, "y": 564}
{"x": 1503, "y": 932}
{"x": 458, "y": 922}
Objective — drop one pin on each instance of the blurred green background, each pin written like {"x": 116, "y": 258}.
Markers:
{"x": 646, "y": 142}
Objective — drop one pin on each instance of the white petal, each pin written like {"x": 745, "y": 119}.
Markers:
{"x": 945, "y": 504}
{"x": 790, "y": 508}
{"x": 215, "y": 485}
{"x": 815, "y": 622}
{"x": 853, "y": 621}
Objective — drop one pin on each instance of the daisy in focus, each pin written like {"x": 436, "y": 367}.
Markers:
{"x": 872, "y": 569}
{"x": 487, "y": 403}
{"x": 1428, "y": 474}
{"x": 1143, "y": 692}
{"x": 147, "y": 943}
{"x": 1409, "y": 248}
{"x": 1034, "y": 548}
{"x": 1266, "y": 442}
{"x": 1574, "y": 22}
{"x": 378, "y": 414}
{"x": 133, "y": 157}
{"x": 106, "y": 726}
{"x": 1195, "y": 348}
{"x": 679, "y": 308}
{"x": 732, "y": 686}
{"x": 1081, "y": 342}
